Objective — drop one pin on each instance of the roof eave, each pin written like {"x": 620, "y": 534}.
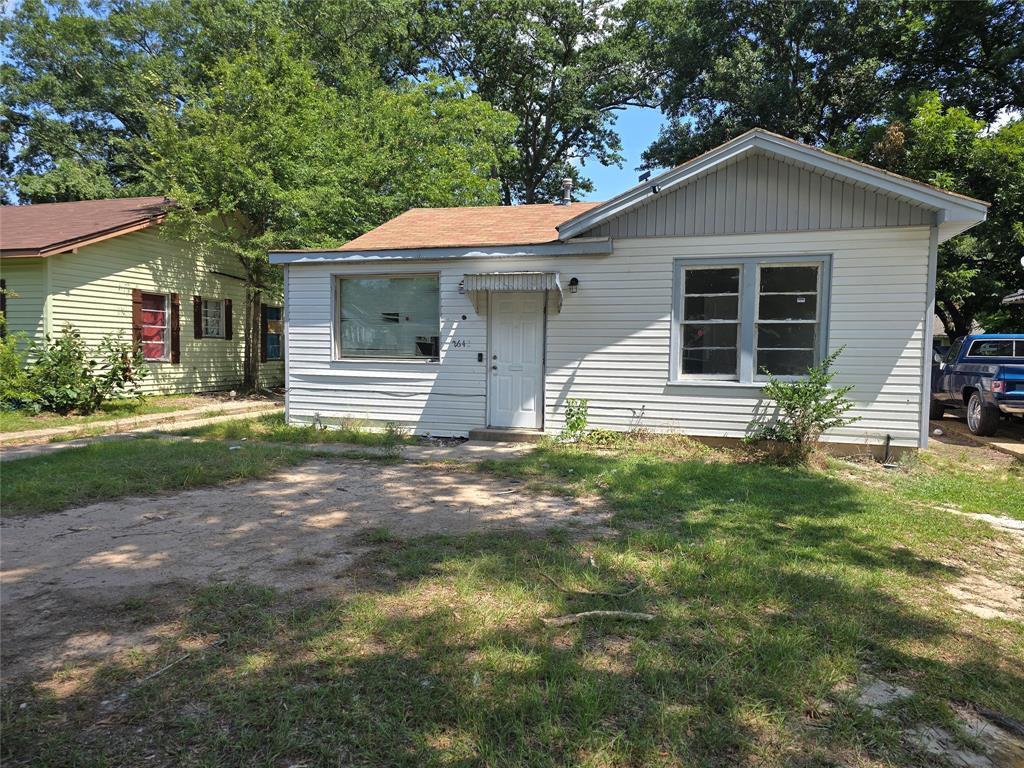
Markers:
{"x": 53, "y": 249}
{"x": 582, "y": 247}
{"x": 955, "y": 208}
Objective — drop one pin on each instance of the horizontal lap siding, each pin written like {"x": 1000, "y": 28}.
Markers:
{"x": 92, "y": 291}
{"x": 446, "y": 398}
{"x": 610, "y": 343}
{"x": 26, "y": 298}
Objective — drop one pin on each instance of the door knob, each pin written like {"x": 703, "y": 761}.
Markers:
{"x": 494, "y": 367}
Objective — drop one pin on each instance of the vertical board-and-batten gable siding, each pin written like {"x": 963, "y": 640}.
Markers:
{"x": 760, "y": 193}
{"x": 611, "y": 341}
{"x": 92, "y": 290}
{"x": 25, "y": 281}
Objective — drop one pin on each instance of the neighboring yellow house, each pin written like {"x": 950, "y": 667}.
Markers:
{"x": 103, "y": 267}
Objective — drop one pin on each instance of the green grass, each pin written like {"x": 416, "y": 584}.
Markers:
{"x": 273, "y": 429}
{"x": 16, "y": 421}
{"x": 773, "y": 589}
{"x": 994, "y": 488}
{"x": 109, "y": 470}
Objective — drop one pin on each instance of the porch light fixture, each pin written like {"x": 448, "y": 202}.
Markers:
{"x": 462, "y": 286}
{"x": 574, "y": 285}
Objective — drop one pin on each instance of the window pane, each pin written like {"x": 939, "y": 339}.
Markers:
{"x": 785, "y": 307}
{"x": 711, "y": 308}
{"x": 786, "y": 335}
{"x": 705, "y": 361}
{"x": 154, "y": 326}
{"x": 725, "y": 280}
{"x": 709, "y": 335}
{"x": 789, "y": 279}
{"x": 273, "y": 313}
{"x": 389, "y": 317}
{"x": 213, "y": 318}
{"x": 273, "y": 346}
{"x": 153, "y": 350}
{"x": 991, "y": 348}
{"x": 784, "y": 362}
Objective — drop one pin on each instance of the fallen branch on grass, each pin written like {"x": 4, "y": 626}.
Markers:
{"x": 559, "y": 587}
{"x": 176, "y": 662}
{"x": 572, "y": 618}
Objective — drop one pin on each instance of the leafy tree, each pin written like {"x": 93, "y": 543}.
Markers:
{"x": 803, "y": 68}
{"x": 971, "y": 52}
{"x": 950, "y": 149}
{"x": 267, "y": 156}
{"x": 562, "y": 67}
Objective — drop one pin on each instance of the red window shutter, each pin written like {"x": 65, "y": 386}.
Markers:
{"x": 136, "y": 318}
{"x": 263, "y": 333}
{"x": 175, "y": 329}
{"x": 227, "y": 319}
{"x": 197, "y": 317}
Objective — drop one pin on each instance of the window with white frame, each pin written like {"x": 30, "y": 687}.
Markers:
{"x": 389, "y": 317}
{"x": 711, "y": 321}
{"x": 743, "y": 319}
{"x": 213, "y": 318}
{"x": 155, "y": 333}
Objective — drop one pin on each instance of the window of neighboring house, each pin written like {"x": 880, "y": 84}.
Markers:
{"x": 156, "y": 335}
{"x": 274, "y": 333}
{"x": 742, "y": 319}
{"x": 389, "y": 317}
{"x": 213, "y": 318}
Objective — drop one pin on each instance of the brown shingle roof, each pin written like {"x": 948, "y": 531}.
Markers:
{"x": 470, "y": 226}
{"x": 47, "y": 228}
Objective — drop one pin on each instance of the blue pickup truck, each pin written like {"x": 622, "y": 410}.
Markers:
{"x": 983, "y": 373}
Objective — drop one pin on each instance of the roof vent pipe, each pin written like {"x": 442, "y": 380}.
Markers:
{"x": 566, "y": 191}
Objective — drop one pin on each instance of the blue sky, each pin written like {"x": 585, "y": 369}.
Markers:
{"x": 637, "y": 127}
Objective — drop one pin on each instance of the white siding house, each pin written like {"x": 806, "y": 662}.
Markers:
{"x": 662, "y": 307}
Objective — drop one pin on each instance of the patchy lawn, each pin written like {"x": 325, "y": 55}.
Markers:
{"x": 16, "y": 421}
{"x": 117, "y": 468}
{"x": 778, "y": 596}
{"x": 273, "y": 429}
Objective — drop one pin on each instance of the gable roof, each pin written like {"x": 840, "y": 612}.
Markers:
{"x": 469, "y": 227}
{"x": 45, "y": 229}
{"x": 955, "y": 212}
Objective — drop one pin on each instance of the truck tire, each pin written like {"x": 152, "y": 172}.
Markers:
{"x": 936, "y": 410}
{"x": 981, "y": 419}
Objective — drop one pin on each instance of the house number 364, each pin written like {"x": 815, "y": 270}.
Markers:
{"x": 459, "y": 344}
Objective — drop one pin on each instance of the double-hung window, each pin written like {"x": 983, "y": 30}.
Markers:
{"x": 155, "y": 335}
{"x": 743, "y": 319}
{"x": 213, "y": 319}
{"x": 389, "y": 317}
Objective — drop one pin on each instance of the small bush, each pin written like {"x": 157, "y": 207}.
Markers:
{"x": 804, "y": 410}
{"x": 575, "y": 419}
{"x": 394, "y": 439}
{"x": 66, "y": 378}
{"x": 15, "y": 388}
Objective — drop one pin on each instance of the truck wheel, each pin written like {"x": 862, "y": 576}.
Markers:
{"x": 936, "y": 410}
{"x": 981, "y": 419}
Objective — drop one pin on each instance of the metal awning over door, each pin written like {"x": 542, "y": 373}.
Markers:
{"x": 478, "y": 285}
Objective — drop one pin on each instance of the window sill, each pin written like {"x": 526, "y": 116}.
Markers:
{"x": 718, "y": 384}
{"x": 399, "y": 360}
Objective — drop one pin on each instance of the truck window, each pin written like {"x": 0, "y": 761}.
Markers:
{"x": 953, "y": 352}
{"x": 991, "y": 348}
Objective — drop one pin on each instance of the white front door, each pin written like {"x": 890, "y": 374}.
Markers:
{"x": 517, "y": 360}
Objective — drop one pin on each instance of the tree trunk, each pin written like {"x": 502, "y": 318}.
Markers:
{"x": 251, "y": 346}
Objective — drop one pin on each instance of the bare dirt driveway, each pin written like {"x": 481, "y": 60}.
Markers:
{"x": 64, "y": 574}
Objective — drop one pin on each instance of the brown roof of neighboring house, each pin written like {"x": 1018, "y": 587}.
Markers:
{"x": 44, "y": 229}
{"x": 470, "y": 226}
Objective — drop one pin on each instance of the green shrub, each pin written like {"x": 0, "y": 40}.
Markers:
{"x": 15, "y": 391}
{"x": 64, "y": 376}
{"x": 804, "y": 410}
{"x": 575, "y": 419}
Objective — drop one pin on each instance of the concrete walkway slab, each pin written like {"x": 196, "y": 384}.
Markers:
{"x": 232, "y": 409}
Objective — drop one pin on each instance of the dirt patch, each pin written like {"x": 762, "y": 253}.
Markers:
{"x": 979, "y": 743}
{"x": 64, "y": 574}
